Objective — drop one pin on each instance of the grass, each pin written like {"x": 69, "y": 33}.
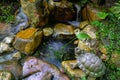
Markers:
{"x": 7, "y": 11}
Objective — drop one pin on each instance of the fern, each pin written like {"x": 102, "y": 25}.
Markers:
{"x": 116, "y": 9}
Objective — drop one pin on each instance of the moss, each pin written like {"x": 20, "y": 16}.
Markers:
{"x": 27, "y": 34}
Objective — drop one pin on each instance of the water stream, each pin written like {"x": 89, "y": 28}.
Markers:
{"x": 77, "y": 21}
{"x": 55, "y": 51}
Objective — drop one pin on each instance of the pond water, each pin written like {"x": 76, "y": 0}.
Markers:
{"x": 55, "y": 51}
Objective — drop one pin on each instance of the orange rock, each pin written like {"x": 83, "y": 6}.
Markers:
{"x": 28, "y": 40}
{"x": 28, "y": 33}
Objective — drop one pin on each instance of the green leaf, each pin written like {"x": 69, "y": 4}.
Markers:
{"x": 102, "y": 15}
{"x": 83, "y": 78}
{"x": 82, "y": 36}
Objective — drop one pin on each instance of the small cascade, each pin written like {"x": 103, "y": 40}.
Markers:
{"x": 77, "y": 21}
{"x": 78, "y": 10}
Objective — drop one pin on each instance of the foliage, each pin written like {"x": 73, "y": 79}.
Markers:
{"x": 116, "y": 9}
{"x": 82, "y": 36}
{"x": 7, "y": 10}
{"x": 110, "y": 31}
{"x": 82, "y": 2}
{"x": 6, "y": 15}
{"x": 102, "y": 15}
{"x": 112, "y": 72}
{"x": 83, "y": 78}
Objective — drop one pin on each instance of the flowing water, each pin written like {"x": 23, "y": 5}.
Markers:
{"x": 54, "y": 51}
{"x": 77, "y": 21}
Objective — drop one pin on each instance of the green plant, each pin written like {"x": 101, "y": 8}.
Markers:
{"x": 5, "y": 13}
{"x": 102, "y": 15}
{"x": 109, "y": 30}
{"x": 116, "y": 9}
{"x": 112, "y": 72}
{"x": 109, "y": 34}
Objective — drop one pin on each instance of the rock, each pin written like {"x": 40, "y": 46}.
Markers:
{"x": 91, "y": 31}
{"x": 64, "y": 11}
{"x": 4, "y": 48}
{"x": 103, "y": 49}
{"x": 83, "y": 46}
{"x": 37, "y": 11}
{"x": 63, "y": 31}
{"x": 13, "y": 67}
{"x": 90, "y": 13}
{"x": 75, "y": 74}
{"x": 115, "y": 59}
{"x": 16, "y": 56}
{"x": 12, "y": 56}
{"x": 28, "y": 40}
{"x": 6, "y": 75}
{"x": 32, "y": 65}
{"x": 8, "y": 39}
{"x": 83, "y": 24}
{"x": 4, "y": 30}
{"x": 20, "y": 23}
{"x": 39, "y": 76}
{"x": 47, "y": 31}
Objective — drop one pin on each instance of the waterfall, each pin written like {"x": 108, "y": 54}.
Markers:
{"x": 77, "y": 21}
{"x": 78, "y": 10}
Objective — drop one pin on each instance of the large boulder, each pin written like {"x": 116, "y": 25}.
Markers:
{"x": 33, "y": 65}
{"x": 36, "y": 11}
{"x": 39, "y": 76}
{"x": 28, "y": 40}
{"x": 64, "y": 11}
{"x": 90, "y": 13}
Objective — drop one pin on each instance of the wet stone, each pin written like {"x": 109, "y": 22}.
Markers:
{"x": 47, "y": 31}
{"x": 6, "y": 75}
{"x": 64, "y": 9}
{"x": 33, "y": 65}
{"x": 83, "y": 24}
{"x": 13, "y": 67}
{"x": 4, "y": 48}
{"x": 4, "y": 30}
{"x": 63, "y": 31}
{"x": 39, "y": 76}
{"x": 11, "y": 56}
{"x": 90, "y": 13}
{"x": 29, "y": 39}
{"x": 75, "y": 74}
{"x": 91, "y": 31}
{"x": 37, "y": 15}
{"x": 8, "y": 39}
